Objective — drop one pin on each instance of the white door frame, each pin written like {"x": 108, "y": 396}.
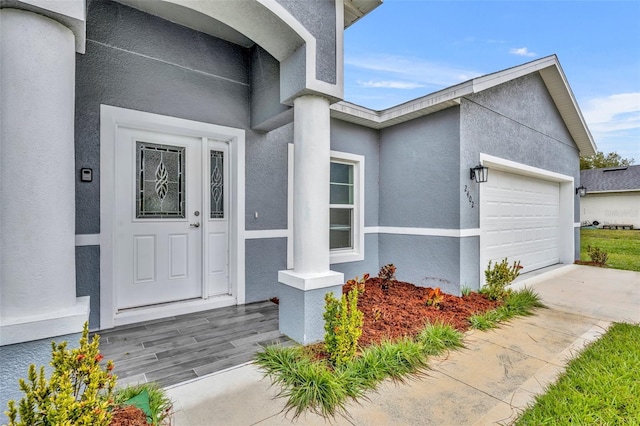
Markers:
{"x": 111, "y": 118}
{"x": 567, "y": 199}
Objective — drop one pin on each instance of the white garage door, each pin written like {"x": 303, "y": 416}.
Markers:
{"x": 519, "y": 219}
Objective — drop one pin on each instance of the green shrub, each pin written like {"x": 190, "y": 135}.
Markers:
{"x": 498, "y": 278}
{"x": 465, "y": 291}
{"x": 79, "y": 391}
{"x": 343, "y": 326}
{"x": 597, "y": 255}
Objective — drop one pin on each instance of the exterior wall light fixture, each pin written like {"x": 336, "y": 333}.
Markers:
{"x": 581, "y": 190}
{"x": 479, "y": 173}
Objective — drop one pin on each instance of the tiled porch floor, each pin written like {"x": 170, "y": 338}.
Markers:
{"x": 176, "y": 349}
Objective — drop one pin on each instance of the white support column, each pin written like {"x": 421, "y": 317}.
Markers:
{"x": 311, "y": 276}
{"x": 37, "y": 180}
{"x": 311, "y": 189}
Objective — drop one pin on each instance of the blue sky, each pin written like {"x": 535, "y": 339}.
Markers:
{"x": 405, "y": 49}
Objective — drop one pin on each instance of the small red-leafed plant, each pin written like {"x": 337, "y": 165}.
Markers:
{"x": 387, "y": 274}
{"x": 79, "y": 391}
{"x": 357, "y": 283}
{"x": 435, "y": 297}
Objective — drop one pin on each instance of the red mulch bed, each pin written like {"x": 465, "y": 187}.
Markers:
{"x": 402, "y": 310}
{"x": 129, "y": 416}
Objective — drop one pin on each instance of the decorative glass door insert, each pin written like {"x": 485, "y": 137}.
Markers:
{"x": 217, "y": 184}
{"x": 160, "y": 181}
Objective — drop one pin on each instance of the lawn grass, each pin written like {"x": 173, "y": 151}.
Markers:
{"x": 623, "y": 246}
{"x": 599, "y": 387}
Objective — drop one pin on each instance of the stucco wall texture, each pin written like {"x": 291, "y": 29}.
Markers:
{"x": 319, "y": 17}
{"x": 15, "y": 365}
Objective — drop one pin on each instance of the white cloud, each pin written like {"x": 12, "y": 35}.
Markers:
{"x": 614, "y": 122}
{"x": 522, "y": 51}
{"x": 395, "y": 68}
{"x": 390, "y": 84}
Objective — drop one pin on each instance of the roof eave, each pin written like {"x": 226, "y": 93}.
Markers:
{"x": 548, "y": 67}
{"x": 354, "y": 10}
{"x": 559, "y": 89}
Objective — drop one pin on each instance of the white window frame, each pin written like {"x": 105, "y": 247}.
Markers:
{"x": 355, "y": 253}
{"x": 339, "y": 255}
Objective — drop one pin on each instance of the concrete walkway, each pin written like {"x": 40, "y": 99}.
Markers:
{"x": 489, "y": 382}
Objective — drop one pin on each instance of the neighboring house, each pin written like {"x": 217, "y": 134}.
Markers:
{"x": 149, "y": 170}
{"x": 613, "y": 196}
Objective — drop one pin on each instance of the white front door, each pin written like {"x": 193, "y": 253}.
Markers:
{"x": 168, "y": 195}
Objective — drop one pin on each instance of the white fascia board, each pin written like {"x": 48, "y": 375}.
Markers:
{"x": 404, "y": 112}
{"x": 549, "y": 69}
{"x": 560, "y": 91}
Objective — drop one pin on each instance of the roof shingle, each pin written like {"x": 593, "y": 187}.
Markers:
{"x": 611, "y": 179}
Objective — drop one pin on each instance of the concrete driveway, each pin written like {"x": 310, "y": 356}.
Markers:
{"x": 602, "y": 293}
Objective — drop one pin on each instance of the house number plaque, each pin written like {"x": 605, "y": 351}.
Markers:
{"x": 469, "y": 197}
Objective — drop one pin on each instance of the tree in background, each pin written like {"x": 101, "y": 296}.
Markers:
{"x": 600, "y": 161}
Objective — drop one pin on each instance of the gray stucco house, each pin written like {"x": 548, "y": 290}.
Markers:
{"x": 613, "y": 197}
{"x": 162, "y": 157}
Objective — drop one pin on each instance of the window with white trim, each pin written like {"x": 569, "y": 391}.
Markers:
{"x": 346, "y": 207}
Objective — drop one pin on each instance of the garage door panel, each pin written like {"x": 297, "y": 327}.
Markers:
{"x": 519, "y": 219}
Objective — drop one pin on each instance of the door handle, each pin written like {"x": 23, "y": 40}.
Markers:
{"x": 195, "y": 225}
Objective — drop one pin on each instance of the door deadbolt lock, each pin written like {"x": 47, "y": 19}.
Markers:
{"x": 196, "y": 213}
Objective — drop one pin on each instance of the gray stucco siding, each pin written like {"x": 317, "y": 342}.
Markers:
{"x": 419, "y": 164}
{"x": 470, "y": 272}
{"x": 526, "y": 100}
{"x": 144, "y": 34}
{"x": 265, "y": 87}
{"x": 266, "y": 178}
{"x": 263, "y": 259}
{"x": 15, "y": 365}
{"x": 354, "y": 139}
{"x": 88, "y": 280}
{"x": 369, "y": 265}
{"x": 319, "y": 17}
{"x": 425, "y": 261}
